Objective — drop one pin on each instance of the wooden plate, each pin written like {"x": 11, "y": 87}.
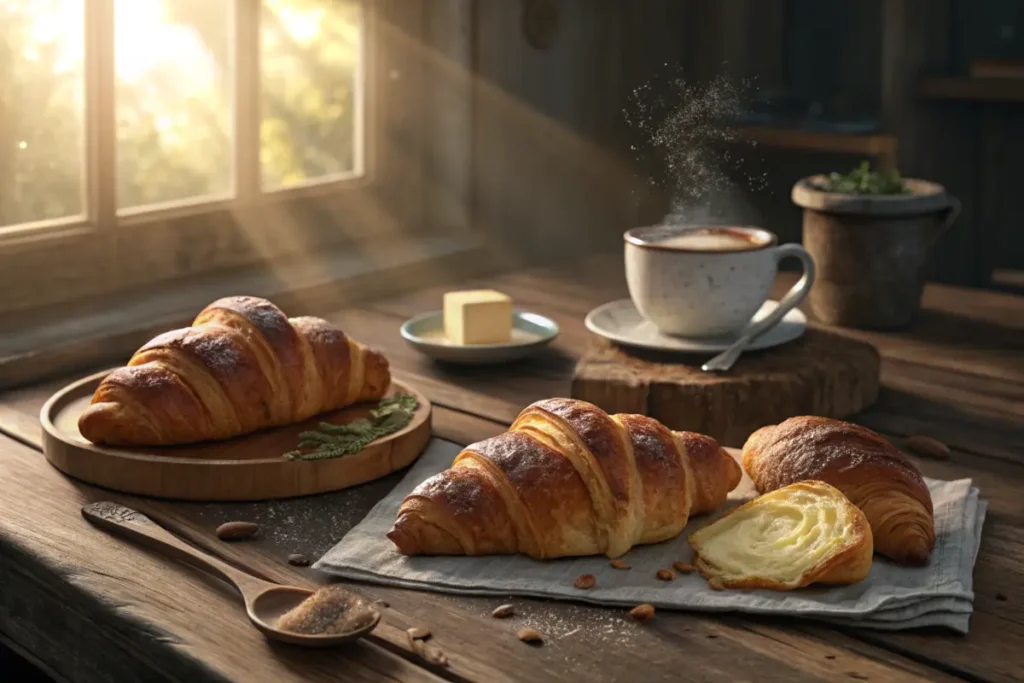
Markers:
{"x": 250, "y": 467}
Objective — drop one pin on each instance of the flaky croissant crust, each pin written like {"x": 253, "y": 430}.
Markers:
{"x": 866, "y": 467}
{"x": 567, "y": 479}
{"x": 242, "y": 365}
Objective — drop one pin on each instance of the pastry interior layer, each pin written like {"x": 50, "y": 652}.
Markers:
{"x": 804, "y": 533}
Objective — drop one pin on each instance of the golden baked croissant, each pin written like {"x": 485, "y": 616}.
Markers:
{"x": 869, "y": 470}
{"x": 567, "y": 479}
{"x": 242, "y": 366}
{"x": 804, "y": 533}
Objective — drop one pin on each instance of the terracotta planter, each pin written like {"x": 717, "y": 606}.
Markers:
{"x": 871, "y": 252}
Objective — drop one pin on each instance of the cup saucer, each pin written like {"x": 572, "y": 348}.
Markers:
{"x": 621, "y": 322}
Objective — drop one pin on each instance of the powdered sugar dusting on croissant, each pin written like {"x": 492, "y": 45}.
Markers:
{"x": 567, "y": 479}
{"x": 242, "y": 365}
{"x": 866, "y": 467}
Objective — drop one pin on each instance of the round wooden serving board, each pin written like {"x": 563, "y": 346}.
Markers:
{"x": 821, "y": 373}
{"x": 246, "y": 468}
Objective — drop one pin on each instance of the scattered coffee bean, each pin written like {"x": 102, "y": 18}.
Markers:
{"x": 619, "y": 564}
{"x": 237, "y": 531}
{"x": 585, "y": 581}
{"x": 1000, "y": 597}
{"x": 928, "y": 447}
{"x": 683, "y": 567}
{"x": 298, "y": 559}
{"x": 433, "y": 654}
{"x": 503, "y": 611}
{"x": 666, "y": 574}
{"x": 528, "y": 635}
{"x": 644, "y": 612}
{"x": 418, "y": 633}
{"x": 417, "y": 646}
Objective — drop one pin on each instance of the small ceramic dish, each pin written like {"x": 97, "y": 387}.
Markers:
{"x": 530, "y": 332}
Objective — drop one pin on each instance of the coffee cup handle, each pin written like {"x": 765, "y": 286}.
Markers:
{"x": 797, "y": 293}
{"x": 794, "y": 297}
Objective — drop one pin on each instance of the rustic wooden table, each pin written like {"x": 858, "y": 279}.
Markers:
{"x": 86, "y": 606}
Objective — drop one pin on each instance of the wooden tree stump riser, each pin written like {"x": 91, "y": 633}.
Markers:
{"x": 822, "y": 373}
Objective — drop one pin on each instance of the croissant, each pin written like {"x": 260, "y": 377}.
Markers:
{"x": 869, "y": 470}
{"x": 804, "y": 533}
{"x": 566, "y": 479}
{"x": 242, "y": 366}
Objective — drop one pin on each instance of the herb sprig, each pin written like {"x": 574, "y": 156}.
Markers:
{"x": 334, "y": 441}
{"x": 863, "y": 181}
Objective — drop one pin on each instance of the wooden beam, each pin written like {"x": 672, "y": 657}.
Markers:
{"x": 881, "y": 145}
{"x": 972, "y": 89}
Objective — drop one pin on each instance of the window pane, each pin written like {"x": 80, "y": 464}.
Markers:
{"x": 41, "y": 109}
{"x": 173, "y": 61}
{"x": 311, "y": 61}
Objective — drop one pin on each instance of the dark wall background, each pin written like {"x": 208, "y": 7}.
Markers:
{"x": 552, "y": 162}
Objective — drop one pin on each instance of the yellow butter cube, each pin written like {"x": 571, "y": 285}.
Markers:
{"x": 479, "y": 316}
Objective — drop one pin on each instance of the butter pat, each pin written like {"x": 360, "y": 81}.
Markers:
{"x": 479, "y": 316}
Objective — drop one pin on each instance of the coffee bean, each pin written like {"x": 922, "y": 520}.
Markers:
{"x": 528, "y": 635}
{"x": 237, "y": 531}
{"x": 928, "y": 447}
{"x": 298, "y": 560}
{"x": 644, "y": 612}
{"x": 503, "y": 611}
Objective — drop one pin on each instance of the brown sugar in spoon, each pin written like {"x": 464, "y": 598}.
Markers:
{"x": 333, "y": 617}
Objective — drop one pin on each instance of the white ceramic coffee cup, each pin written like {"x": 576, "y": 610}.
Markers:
{"x": 708, "y": 281}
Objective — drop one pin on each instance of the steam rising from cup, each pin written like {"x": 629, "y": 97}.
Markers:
{"x": 688, "y": 130}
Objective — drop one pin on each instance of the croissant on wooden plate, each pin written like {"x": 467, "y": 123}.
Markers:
{"x": 242, "y": 366}
{"x": 869, "y": 470}
{"x": 566, "y": 479}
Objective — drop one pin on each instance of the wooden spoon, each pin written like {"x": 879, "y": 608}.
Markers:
{"x": 265, "y": 602}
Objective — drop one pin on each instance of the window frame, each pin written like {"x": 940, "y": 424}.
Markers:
{"x": 51, "y": 262}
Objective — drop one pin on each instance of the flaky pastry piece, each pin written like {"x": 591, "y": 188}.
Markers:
{"x": 804, "y": 533}
{"x": 866, "y": 467}
{"x": 243, "y": 365}
{"x": 566, "y": 479}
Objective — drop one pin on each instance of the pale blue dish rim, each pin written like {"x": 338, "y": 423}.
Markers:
{"x": 545, "y": 328}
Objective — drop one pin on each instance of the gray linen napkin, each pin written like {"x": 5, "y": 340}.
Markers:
{"x": 892, "y": 597}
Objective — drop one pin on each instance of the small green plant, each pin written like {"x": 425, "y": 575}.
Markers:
{"x": 862, "y": 180}
{"x": 333, "y": 441}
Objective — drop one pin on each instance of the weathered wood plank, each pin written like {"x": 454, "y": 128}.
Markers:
{"x": 959, "y": 330}
{"x": 97, "y": 609}
{"x": 934, "y": 142}
{"x": 205, "y": 623}
{"x": 1002, "y": 242}
{"x": 1000, "y": 481}
{"x": 924, "y": 382}
{"x": 25, "y": 667}
{"x": 975, "y": 412}
{"x": 448, "y": 58}
{"x": 59, "y": 341}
